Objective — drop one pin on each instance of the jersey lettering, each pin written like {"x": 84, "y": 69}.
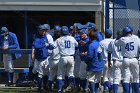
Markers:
{"x": 67, "y": 44}
{"x": 129, "y": 46}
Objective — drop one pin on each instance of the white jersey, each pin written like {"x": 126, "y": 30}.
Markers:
{"x": 130, "y": 46}
{"x": 103, "y": 48}
{"x": 50, "y": 39}
{"x": 55, "y": 52}
{"x": 66, "y": 45}
{"x": 115, "y": 51}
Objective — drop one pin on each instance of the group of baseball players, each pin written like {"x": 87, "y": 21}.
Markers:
{"x": 79, "y": 58}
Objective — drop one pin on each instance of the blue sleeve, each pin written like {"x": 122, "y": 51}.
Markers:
{"x": 90, "y": 54}
{"x": 15, "y": 42}
{"x": 37, "y": 44}
{"x": 99, "y": 36}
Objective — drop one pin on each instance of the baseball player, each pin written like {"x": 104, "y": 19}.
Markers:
{"x": 94, "y": 63}
{"x": 41, "y": 47}
{"x": 139, "y": 60}
{"x": 107, "y": 73}
{"x": 83, "y": 46}
{"x": 117, "y": 62}
{"x": 130, "y": 51}
{"x": 92, "y": 27}
{"x": 51, "y": 42}
{"x": 66, "y": 45}
{"x": 54, "y": 58}
{"x": 8, "y": 40}
{"x": 75, "y": 34}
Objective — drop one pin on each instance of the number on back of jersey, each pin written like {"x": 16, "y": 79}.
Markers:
{"x": 67, "y": 44}
{"x": 129, "y": 46}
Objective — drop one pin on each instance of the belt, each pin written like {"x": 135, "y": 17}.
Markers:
{"x": 130, "y": 58}
{"x": 66, "y": 55}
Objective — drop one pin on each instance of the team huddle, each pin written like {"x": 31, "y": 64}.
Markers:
{"x": 81, "y": 59}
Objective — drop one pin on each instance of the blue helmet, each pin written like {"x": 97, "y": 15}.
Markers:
{"x": 47, "y": 26}
{"x": 108, "y": 31}
{"x": 130, "y": 26}
{"x": 91, "y": 25}
{"x": 41, "y": 27}
{"x": 4, "y": 30}
{"x": 57, "y": 28}
{"x": 65, "y": 30}
{"x": 84, "y": 31}
{"x": 126, "y": 30}
{"x": 76, "y": 24}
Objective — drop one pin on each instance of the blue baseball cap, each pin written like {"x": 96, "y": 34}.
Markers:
{"x": 80, "y": 26}
{"x": 65, "y": 30}
{"x": 84, "y": 31}
{"x": 4, "y": 30}
{"x": 108, "y": 31}
{"x": 71, "y": 27}
{"x": 130, "y": 26}
{"x": 76, "y": 24}
{"x": 47, "y": 26}
{"x": 126, "y": 30}
{"x": 57, "y": 28}
{"x": 91, "y": 25}
{"x": 41, "y": 27}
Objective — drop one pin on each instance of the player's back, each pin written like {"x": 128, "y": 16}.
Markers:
{"x": 104, "y": 47}
{"x": 115, "y": 51}
{"x": 130, "y": 46}
{"x": 67, "y": 45}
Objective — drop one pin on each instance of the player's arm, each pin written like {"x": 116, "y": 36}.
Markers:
{"x": 33, "y": 54}
{"x": 15, "y": 44}
{"x": 90, "y": 54}
{"x": 38, "y": 45}
{"x": 110, "y": 50}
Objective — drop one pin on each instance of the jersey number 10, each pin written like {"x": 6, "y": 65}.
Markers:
{"x": 129, "y": 46}
{"x": 67, "y": 44}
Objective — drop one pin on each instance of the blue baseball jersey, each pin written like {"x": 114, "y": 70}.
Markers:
{"x": 94, "y": 63}
{"x": 41, "y": 50}
{"x": 12, "y": 44}
{"x": 83, "y": 48}
{"x": 100, "y": 36}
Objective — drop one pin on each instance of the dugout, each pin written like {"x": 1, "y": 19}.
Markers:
{"x": 22, "y": 16}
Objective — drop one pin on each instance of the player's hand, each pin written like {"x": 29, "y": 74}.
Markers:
{"x": 5, "y": 48}
{"x": 33, "y": 58}
{"x": 109, "y": 64}
{"x": 82, "y": 42}
{"x": 82, "y": 54}
{"x": 46, "y": 44}
{"x": 85, "y": 53}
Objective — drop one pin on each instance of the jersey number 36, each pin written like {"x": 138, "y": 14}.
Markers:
{"x": 129, "y": 46}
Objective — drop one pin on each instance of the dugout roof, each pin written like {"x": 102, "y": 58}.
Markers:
{"x": 51, "y": 5}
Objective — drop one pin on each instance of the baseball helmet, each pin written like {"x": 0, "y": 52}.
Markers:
{"x": 91, "y": 25}
{"x": 108, "y": 31}
{"x": 84, "y": 31}
{"x": 4, "y": 30}
{"x": 47, "y": 26}
{"x": 126, "y": 30}
{"x": 41, "y": 27}
{"x": 57, "y": 28}
{"x": 65, "y": 30}
{"x": 130, "y": 26}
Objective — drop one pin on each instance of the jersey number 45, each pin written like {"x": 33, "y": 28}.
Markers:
{"x": 129, "y": 46}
